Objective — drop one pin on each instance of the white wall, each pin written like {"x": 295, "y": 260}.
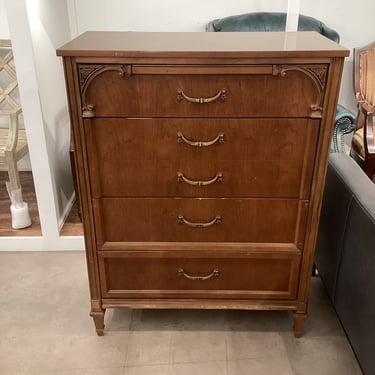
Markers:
{"x": 162, "y": 15}
{"x": 49, "y": 24}
{"x": 37, "y": 28}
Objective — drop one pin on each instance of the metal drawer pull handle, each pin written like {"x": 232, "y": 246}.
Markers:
{"x": 218, "y": 178}
{"x": 181, "y": 95}
{"x": 215, "y": 272}
{"x": 180, "y": 138}
{"x": 216, "y": 220}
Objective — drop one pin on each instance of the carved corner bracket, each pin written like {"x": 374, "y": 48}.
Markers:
{"x": 87, "y": 73}
{"x": 317, "y": 74}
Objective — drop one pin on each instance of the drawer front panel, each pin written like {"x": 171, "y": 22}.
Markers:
{"x": 120, "y": 220}
{"x": 133, "y": 157}
{"x": 183, "y": 275}
{"x": 200, "y": 92}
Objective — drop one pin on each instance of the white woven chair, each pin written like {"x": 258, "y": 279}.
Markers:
{"x": 13, "y": 142}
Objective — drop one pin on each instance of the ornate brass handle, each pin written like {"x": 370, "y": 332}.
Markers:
{"x": 218, "y": 178}
{"x": 181, "y": 272}
{"x": 221, "y": 94}
{"x": 219, "y": 138}
{"x": 215, "y": 220}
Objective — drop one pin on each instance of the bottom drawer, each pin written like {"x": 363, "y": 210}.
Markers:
{"x": 179, "y": 274}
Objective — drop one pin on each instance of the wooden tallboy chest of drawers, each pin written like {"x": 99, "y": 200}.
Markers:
{"x": 201, "y": 161}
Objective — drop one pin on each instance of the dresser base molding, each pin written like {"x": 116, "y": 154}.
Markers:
{"x": 299, "y": 316}
{"x": 195, "y": 304}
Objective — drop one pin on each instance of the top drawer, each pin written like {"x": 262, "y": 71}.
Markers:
{"x": 201, "y": 91}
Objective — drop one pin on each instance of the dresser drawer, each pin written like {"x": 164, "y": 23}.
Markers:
{"x": 224, "y": 157}
{"x": 207, "y": 275}
{"x": 201, "y": 91}
{"x": 124, "y": 220}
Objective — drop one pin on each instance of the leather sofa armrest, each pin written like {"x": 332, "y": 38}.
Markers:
{"x": 356, "y": 181}
{"x": 355, "y": 279}
{"x": 345, "y": 253}
{"x": 346, "y": 188}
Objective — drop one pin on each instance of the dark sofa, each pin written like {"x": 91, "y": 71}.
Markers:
{"x": 345, "y": 253}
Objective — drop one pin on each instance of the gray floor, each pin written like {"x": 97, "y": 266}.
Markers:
{"x": 45, "y": 329}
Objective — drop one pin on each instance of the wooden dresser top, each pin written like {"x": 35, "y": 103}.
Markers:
{"x": 202, "y": 44}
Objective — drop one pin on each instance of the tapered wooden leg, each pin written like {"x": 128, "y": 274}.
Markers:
{"x": 98, "y": 317}
{"x": 298, "y": 323}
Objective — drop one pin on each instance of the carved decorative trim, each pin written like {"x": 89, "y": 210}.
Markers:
{"x": 87, "y": 73}
{"x": 317, "y": 73}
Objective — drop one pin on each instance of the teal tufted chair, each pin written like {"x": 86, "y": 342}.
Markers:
{"x": 273, "y": 21}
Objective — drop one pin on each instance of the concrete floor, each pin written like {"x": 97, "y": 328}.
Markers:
{"x": 45, "y": 329}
